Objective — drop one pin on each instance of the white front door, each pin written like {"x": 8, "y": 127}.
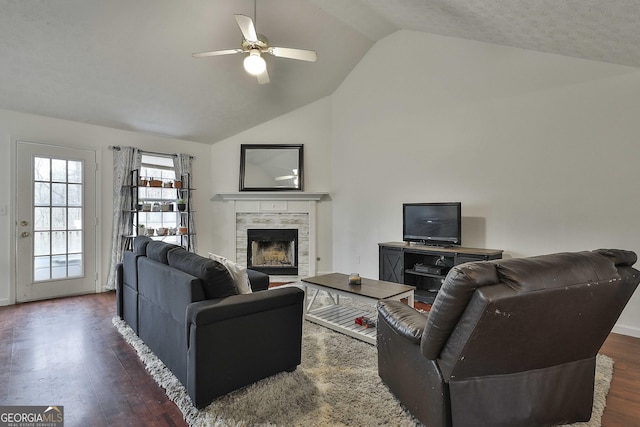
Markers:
{"x": 55, "y": 221}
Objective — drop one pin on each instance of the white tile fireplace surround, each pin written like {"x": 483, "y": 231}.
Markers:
{"x": 277, "y": 210}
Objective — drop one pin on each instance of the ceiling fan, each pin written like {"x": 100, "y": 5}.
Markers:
{"x": 255, "y": 45}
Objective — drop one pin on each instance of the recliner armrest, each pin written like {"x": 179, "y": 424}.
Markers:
{"x": 406, "y": 321}
{"x": 210, "y": 311}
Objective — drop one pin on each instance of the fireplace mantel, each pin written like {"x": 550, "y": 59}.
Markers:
{"x": 270, "y": 195}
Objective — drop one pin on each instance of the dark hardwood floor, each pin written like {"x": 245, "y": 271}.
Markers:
{"x": 67, "y": 352}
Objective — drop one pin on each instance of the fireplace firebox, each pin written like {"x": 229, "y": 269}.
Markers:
{"x": 273, "y": 251}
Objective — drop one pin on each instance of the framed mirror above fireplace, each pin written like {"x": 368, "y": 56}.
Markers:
{"x": 271, "y": 167}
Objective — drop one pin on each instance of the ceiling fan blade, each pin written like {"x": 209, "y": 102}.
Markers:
{"x": 286, "y": 52}
{"x": 217, "y": 53}
{"x": 248, "y": 29}
{"x": 263, "y": 78}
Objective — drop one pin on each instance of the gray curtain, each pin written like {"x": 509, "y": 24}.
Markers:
{"x": 125, "y": 159}
{"x": 182, "y": 163}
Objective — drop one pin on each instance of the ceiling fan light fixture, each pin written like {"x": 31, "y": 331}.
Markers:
{"x": 254, "y": 63}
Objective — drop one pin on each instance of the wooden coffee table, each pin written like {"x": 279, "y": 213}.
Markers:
{"x": 341, "y": 317}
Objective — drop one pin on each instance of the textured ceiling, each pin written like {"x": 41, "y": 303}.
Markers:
{"x": 127, "y": 64}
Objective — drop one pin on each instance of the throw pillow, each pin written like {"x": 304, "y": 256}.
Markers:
{"x": 238, "y": 273}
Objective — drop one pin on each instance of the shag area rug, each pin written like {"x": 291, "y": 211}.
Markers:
{"x": 336, "y": 384}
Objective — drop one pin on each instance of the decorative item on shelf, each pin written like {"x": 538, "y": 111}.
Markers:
{"x": 142, "y": 182}
{"x": 155, "y": 183}
{"x": 168, "y": 184}
{"x": 177, "y": 184}
{"x": 365, "y": 321}
{"x": 139, "y": 205}
{"x": 182, "y": 230}
{"x": 162, "y": 231}
{"x": 181, "y": 204}
{"x": 141, "y": 231}
{"x": 165, "y": 206}
{"x": 172, "y": 231}
{"x": 146, "y": 207}
{"x": 156, "y": 207}
{"x": 354, "y": 279}
{"x": 150, "y": 231}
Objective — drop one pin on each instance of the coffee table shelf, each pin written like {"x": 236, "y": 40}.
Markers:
{"x": 341, "y": 317}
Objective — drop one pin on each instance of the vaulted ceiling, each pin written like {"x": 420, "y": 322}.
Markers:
{"x": 127, "y": 64}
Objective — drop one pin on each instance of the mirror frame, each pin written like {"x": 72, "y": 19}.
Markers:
{"x": 246, "y": 148}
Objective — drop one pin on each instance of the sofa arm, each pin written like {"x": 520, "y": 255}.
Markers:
{"x": 216, "y": 310}
{"x": 258, "y": 280}
{"x": 406, "y": 321}
{"x": 238, "y": 340}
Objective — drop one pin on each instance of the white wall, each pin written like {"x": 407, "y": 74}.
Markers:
{"x": 17, "y": 126}
{"x": 542, "y": 150}
{"x": 309, "y": 125}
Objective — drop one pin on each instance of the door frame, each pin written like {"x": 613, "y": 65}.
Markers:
{"x": 13, "y": 214}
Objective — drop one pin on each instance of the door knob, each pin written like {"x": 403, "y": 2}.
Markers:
{"x": 24, "y": 223}
{"x": 24, "y": 234}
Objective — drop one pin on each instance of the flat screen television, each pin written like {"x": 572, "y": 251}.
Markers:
{"x": 434, "y": 224}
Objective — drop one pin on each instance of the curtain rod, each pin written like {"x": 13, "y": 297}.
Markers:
{"x": 117, "y": 148}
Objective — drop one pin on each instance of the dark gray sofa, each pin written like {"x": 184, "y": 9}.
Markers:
{"x": 186, "y": 310}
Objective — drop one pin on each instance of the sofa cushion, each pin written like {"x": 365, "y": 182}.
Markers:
{"x": 216, "y": 280}
{"x": 140, "y": 244}
{"x": 158, "y": 251}
{"x": 238, "y": 273}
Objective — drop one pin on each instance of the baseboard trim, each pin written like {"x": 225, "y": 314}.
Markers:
{"x": 626, "y": 330}
{"x": 4, "y": 301}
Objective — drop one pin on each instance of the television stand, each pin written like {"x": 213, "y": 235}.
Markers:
{"x": 425, "y": 267}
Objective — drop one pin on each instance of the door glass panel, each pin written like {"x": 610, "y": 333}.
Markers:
{"x": 75, "y": 218}
{"x": 58, "y": 170}
{"x": 59, "y": 242}
{"x": 42, "y": 219}
{"x": 42, "y": 194}
{"x": 58, "y": 194}
{"x": 59, "y": 267}
{"x": 75, "y": 195}
{"x": 57, "y": 199}
{"x": 42, "y": 169}
{"x": 41, "y": 243}
{"x": 75, "y": 265}
{"x": 42, "y": 268}
{"x": 59, "y": 218}
{"x": 75, "y": 241}
{"x": 75, "y": 172}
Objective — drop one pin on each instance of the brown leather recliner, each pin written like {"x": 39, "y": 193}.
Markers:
{"x": 508, "y": 342}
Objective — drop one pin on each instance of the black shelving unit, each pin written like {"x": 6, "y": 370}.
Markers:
{"x": 173, "y": 194}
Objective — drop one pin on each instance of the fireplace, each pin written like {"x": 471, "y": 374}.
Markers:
{"x": 273, "y": 250}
